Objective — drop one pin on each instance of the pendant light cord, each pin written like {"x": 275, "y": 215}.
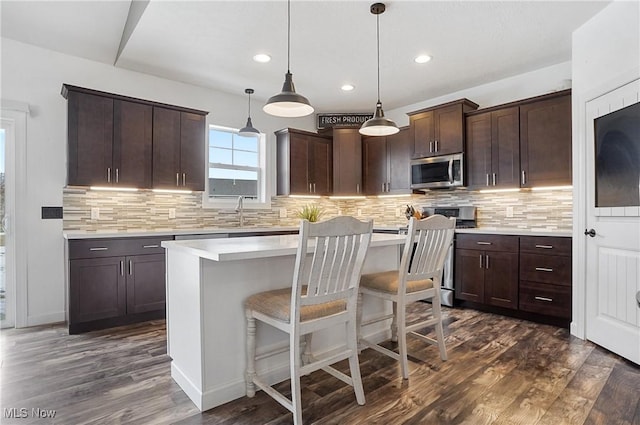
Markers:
{"x": 378, "y": 44}
{"x": 288, "y": 35}
{"x": 249, "y": 104}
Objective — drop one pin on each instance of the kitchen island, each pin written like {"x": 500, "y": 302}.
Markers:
{"x": 207, "y": 283}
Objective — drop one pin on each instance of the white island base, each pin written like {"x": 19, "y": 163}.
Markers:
{"x": 207, "y": 283}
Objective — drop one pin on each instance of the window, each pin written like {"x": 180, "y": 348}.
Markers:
{"x": 236, "y": 168}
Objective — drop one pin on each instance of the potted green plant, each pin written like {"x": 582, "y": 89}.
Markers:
{"x": 310, "y": 212}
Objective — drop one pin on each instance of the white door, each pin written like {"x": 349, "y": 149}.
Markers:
{"x": 7, "y": 276}
{"x": 613, "y": 246}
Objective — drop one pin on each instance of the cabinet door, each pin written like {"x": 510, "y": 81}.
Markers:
{"x": 97, "y": 289}
{"x": 478, "y": 158}
{"x": 132, "y": 143}
{"x": 90, "y": 138}
{"x": 423, "y": 128}
{"x": 145, "y": 283}
{"x": 347, "y": 162}
{"x": 374, "y": 164}
{"x": 399, "y": 156}
{"x": 501, "y": 279}
{"x": 321, "y": 165}
{"x": 166, "y": 148}
{"x": 448, "y": 130}
{"x": 192, "y": 151}
{"x": 545, "y": 142}
{"x": 469, "y": 275}
{"x": 299, "y": 164}
{"x": 505, "y": 148}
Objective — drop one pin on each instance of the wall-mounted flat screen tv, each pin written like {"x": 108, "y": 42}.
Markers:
{"x": 617, "y": 160}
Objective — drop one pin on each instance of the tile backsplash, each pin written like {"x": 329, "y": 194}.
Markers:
{"x": 550, "y": 210}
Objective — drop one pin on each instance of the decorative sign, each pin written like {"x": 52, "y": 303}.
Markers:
{"x": 342, "y": 120}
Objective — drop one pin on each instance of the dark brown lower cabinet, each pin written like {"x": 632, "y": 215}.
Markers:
{"x": 526, "y": 274}
{"x": 487, "y": 276}
{"x": 108, "y": 287}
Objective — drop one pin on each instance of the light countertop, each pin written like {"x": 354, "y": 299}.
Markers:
{"x": 110, "y": 233}
{"x": 257, "y": 246}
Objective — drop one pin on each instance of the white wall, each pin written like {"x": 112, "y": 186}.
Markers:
{"x": 534, "y": 83}
{"x": 605, "y": 55}
{"x": 35, "y": 76}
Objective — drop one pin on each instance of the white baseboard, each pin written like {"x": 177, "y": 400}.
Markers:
{"x": 45, "y": 319}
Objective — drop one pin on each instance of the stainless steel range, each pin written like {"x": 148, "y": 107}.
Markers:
{"x": 465, "y": 218}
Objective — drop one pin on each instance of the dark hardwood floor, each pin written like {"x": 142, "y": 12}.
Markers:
{"x": 500, "y": 371}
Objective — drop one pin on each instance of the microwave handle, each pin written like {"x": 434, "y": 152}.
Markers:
{"x": 450, "y": 170}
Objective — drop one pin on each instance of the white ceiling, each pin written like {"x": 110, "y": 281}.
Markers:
{"x": 211, "y": 43}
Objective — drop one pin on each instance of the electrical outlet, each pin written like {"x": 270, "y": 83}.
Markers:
{"x": 339, "y": 212}
{"x": 509, "y": 212}
{"x": 172, "y": 213}
{"x": 283, "y": 213}
{"x": 95, "y": 213}
{"x": 359, "y": 212}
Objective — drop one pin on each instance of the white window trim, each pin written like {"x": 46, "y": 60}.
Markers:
{"x": 267, "y": 168}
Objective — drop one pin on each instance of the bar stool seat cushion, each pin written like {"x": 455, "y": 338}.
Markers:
{"x": 277, "y": 304}
{"x": 388, "y": 282}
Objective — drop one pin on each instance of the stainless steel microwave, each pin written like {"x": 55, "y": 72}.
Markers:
{"x": 437, "y": 172}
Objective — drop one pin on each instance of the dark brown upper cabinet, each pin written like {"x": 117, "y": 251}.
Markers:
{"x": 493, "y": 149}
{"x": 116, "y": 140}
{"x": 545, "y": 141}
{"x": 386, "y": 163}
{"x": 347, "y": 161}
{"x": 110, "y": 142}
{"x": 305, "y": 163}
{"x": 439, "y": 130}
{"x": 178, "y": 149}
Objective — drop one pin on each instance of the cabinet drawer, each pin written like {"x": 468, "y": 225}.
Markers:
{"x": 545, "y": 269}
{"x": 546, "y": 245}
{"x": 546, "y": 299}
{"x": 487, "y": 242}
{"x": 98, "y": 248}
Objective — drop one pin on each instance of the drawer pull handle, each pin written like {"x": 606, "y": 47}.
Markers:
{"x": 543, "y": 269}
{"x": 151, "y": 246}
{"x": 483, "y": 243}
{"x": 544, "y": 299}
{"x": 99, "y": 248}
{"x": 545, "y": 246}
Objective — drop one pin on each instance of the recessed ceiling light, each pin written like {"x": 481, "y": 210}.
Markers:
{"x": 262, "y": 58}
{"x": 348, "y": 87}
{"x": 422, "y": 59}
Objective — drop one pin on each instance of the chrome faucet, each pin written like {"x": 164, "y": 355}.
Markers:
{"x": 240, "y": 209}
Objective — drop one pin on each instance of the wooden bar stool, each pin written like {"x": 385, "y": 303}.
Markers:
{"x": 418, "y": 278}
{"x": 324, "y": 294}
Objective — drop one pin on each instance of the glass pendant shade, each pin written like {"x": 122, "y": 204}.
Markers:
{"x": 249, "y": 129}
{"x": 288, "y": 103}
{"x": 379, "y": 125}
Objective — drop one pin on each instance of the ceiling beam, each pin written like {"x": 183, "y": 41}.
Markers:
{"x": 136, "y": 10}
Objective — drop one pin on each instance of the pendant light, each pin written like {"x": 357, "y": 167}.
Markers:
{"x": 288, "y": 103}
{"x": 249, "y": 130}
{"x": 378, "y": 125}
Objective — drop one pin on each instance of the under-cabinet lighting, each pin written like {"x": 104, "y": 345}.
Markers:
{"x": 552, "y": 187}
{"x": 114, "y": 188}
{"x": 515, "y": 189}
{"x": 348, "y": 197}
{"x": 305, "y": 196}
{"x": 171, "y": 191}
{"x": 400, "y": 195}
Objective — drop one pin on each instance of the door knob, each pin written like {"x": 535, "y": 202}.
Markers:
{"x": 590, "y": 232}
